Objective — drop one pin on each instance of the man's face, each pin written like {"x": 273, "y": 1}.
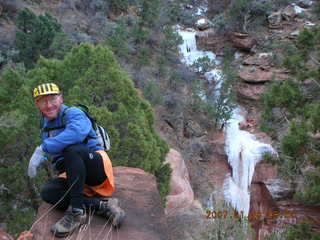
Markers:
{"x": 49, "y": 105}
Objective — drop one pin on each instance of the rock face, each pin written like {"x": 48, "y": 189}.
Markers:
{"x": 137, "y": 191}
{"x": 255, "y": 71}
{"x": 185, "y": 216}
{"x": 275, "y": 17}
{"x": 259, "y": 69}
{"x": 243, "y": 41}
{"x": 210, "y": 40}
{"x": 181, "y": 195}
{"x": 289, "y": 13}
{"x": 250, "y": 91}
{"x": 271, "y": 206}
{"x": 193, "y": 129}
{"x": 279, "y": 189}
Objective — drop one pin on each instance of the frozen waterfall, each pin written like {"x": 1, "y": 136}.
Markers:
{"x": 244, "y": 151}
{"x": 189, "y": 48}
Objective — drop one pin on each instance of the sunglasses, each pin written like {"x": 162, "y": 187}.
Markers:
{"x": 42, "y": 102}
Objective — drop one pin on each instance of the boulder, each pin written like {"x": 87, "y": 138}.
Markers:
{"x": 250, "y": 91}
{"x": 261, "y": 74}
{"x": 210, "y": 40}
{"x": 258, "y": 59}
{"x": 294, "y": 34}
{"x": 202, "y": 24}
{"x": 185, "y": 215}
{"x": 275, "y": 18}
{"x": 243, "y": 41}
{"x": 193, "y": 129}
{"x": 246, "y": 125}
{"x": 181, "y": 195}
{"x": 289, "y": 13}
{"x": 137, "y": 191}
{"x": 264, "y": 172}
{"x": 279, "y": 189}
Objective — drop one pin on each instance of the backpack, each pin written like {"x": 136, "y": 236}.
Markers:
{"x": 101, "y": 133}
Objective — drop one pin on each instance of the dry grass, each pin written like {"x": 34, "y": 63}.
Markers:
{"x": 84, "y": 232}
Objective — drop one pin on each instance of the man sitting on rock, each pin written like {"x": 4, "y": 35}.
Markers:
{"x": 83, "y": 165}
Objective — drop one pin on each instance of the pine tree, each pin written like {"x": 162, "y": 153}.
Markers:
{"x": 35, "y": 35}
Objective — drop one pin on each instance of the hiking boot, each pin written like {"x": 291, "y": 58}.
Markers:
{"x": 109, "y": 208}
{"x": 72, "y": 219}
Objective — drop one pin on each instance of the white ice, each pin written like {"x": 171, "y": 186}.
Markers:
{"x": 201, "y": 21}
{"x": 298, "y": 9}
{"x": 244, "y": 151}
{"x": 189, "y": 48}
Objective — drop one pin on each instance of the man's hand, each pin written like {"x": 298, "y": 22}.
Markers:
{"x": 36, "y": 159}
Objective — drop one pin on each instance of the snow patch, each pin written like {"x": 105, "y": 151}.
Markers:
{"x": 201, "y": 21}
{"x": 298, "y": 9}
{"x": 264, "y": 55}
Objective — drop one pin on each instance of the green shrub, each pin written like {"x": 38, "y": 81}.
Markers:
{"x": 244, "y": 13}
{"x": 118, "y": 6}
{"x": 286, "y": 95}
{"x": 301, "y": 231}
{"x": 171, "y": 40}
{"x": 203, "y": 65}
{"x": 152, "y": 93}
{"x": 60, "y": 46}
{"x": 35, "y": 35}
{"x": 117, "y": 40}
{"x": 163, "y": 175}
{"x": 311, "y": 193}
{"x": 295, "y": 143}
{"x": 270, "y": 158}
{"x": 144, "y": 56}
{"x": 149, "y": 11}
{"x": 316, "y": 9}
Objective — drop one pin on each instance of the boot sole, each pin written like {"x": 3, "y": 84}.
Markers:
{"x": 61, "y": 235}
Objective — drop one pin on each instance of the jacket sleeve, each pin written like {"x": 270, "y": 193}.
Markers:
{"x": 77, "y": 129}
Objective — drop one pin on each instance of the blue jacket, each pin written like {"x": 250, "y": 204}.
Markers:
{"x": 78, "y": 128}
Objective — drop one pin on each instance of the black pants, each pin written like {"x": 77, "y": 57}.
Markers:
{"x": 82, "y": 167}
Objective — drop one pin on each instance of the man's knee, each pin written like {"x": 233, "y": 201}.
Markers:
{"x": 46, "y": 193}
{"x": 54, "y": 192}
{"x": 53, "y": 188}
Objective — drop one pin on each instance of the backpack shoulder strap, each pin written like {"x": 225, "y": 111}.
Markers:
{"x": 63, "y": 117}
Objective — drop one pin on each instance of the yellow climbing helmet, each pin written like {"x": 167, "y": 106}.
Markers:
{"x": 46, "y": 89}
